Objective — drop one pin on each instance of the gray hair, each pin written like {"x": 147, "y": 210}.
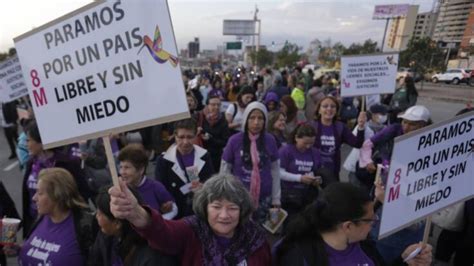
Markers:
{"x": 223, "y": 186}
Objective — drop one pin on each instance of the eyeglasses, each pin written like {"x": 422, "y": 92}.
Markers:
{"x": 373, "y": 220}
{"x": 185, "y": 137}
{"x": 332, "y": 106}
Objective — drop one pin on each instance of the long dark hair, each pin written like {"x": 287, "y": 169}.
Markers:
{"x": 410, "y": 86}
{"x": 339, "y": 202}
{"x": 290, "y": 104}
{"x": 262, "y": 152}
{"x": 131, "y": 240}
{"x": 301, "y": 131}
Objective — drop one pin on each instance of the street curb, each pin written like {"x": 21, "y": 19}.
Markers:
{"x": 452, "y": 100}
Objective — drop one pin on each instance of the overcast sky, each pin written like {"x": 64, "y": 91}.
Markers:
{"x": 298, "y": 21}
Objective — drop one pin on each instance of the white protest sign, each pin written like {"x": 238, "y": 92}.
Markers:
{"x": 368, "y": 74}
{"x": 12, "y": 84}
{"x": 110, "y": 66}
{"x": 430, "y": 169}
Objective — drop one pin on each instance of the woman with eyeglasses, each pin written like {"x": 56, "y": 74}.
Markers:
{"x": 333, "y": 231}
{"x": 184, "y": 167}
{"x": 331, "y": 133}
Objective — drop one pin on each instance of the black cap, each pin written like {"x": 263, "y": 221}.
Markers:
{"x": 378, "y": 109}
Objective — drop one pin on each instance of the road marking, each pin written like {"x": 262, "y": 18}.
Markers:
{"x": 11, "y": 166}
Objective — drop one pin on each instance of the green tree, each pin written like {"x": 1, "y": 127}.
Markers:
{"x": 422, "y": 55}
{"x": 368, "y": 47}
{"x": 330, "y": 55}
{"x": 262, "y": 58}
{"x": 288, "y": 55}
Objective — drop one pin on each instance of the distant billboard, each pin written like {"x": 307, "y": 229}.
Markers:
{"x": 390, "y": 11}
{"x": 234, "y": 46}
{"x": 239, "y": 27}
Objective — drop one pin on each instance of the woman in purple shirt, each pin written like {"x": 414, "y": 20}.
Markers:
{"x": 117, "y": 244}
{"x": 331, "y": 133}
{"x": 252, "y": 156}
{"x": 299, "y": 161}
{"x": 133, "y": 163}
{"x": 40, "y": 159}
{"x": 333, "y": 231}
{"x": 63, "y": 232}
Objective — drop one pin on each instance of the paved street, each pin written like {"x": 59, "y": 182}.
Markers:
{"x": 11, "y": 175}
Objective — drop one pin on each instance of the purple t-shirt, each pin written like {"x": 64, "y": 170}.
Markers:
{"x": 352, "y": 255}
{"x": 328, "y": 147}
{"x": 154, "y": 193}
{"x": 52, "y": 244}
{"x": 233, "y": 153}
{"x": 296, "y": 162}
{"x": 185, "y": 160}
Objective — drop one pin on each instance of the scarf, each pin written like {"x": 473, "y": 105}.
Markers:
{"x": 246, "y": 240}
{"x": 255, "y": 176}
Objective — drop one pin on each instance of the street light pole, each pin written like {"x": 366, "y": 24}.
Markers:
{"x": 384, "y": 34}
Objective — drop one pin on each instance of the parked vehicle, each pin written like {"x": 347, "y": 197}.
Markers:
{"x": 454, "y": 76}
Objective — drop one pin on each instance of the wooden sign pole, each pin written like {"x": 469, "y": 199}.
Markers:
{"x": 111, "y": 160}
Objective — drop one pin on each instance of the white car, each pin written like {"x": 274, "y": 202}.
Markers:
{"x": 455, "y": 76}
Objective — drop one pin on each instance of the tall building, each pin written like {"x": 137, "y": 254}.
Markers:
{"x": 401, "y": 31}
{"x": 452, "y": 20}
{"x": 424, "y": 25}
{"x": 193, "y": 48}
{"x": 468, "y": 37}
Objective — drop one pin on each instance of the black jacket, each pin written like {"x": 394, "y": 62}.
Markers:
{"x": 169, "y": 172}
{"x": 100, "y": 253}
{"x": 219, "y": 134}
{"x": 9, "y": 112}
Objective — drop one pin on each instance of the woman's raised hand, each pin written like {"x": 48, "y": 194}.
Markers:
{"x": 124, "y": 205}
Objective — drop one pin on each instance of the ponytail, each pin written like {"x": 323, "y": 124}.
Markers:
{"x": 339, "y": 202}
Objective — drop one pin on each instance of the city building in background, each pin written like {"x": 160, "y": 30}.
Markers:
{"x": 424, "y": 25}
{"x": 467, "y": 41}
{"x": 401, "y": 30}
{"x": 193, "y": 48}
{"x": 452, "y": 21}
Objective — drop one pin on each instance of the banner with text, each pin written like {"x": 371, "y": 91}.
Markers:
{"x": 430, "y": 169}
{"x": 368, "y": 74}
{"x": 110, "y": 66}
{"x": 12, "y": 84}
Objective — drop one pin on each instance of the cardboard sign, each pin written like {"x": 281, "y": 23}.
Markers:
{"x": 12, "y": 84}
{"x": 368, "y": 74}
{"x": 107, "y": 67}
{"x": 430, "y": 169}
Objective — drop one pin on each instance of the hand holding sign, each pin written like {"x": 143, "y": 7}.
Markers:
{"x": 423, "y": 256}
